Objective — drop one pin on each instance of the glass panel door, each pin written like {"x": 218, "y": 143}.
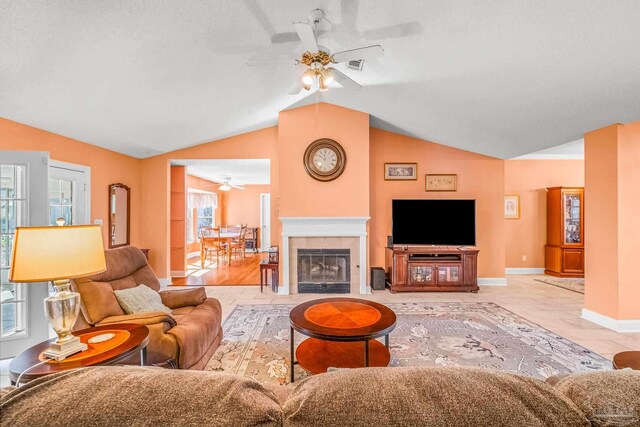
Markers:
{"x": 449, "y": 273}
{"x": 13, "y": 208}
{"x": 67, "y": 198}
{"x": 23, "y": 202}
{"x": 572, "y": 219}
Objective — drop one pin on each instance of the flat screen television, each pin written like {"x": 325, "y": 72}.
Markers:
{"x": 434, "y": 222}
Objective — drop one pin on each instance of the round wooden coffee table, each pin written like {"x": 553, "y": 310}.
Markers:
{"x": 342, "y": 333}
{"x": 627, "y": 359}
{"x": 129, "y": 339}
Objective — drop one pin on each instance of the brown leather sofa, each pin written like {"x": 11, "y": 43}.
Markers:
{"x": 186, "y": 338}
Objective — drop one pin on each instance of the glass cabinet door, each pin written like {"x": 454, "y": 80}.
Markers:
{"x": 421, "y": 274}
{"x": 572, "y": 218}
{"x": 449, "y": 273}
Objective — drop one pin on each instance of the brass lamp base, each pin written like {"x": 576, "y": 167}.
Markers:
{"x": 61, "y": 351}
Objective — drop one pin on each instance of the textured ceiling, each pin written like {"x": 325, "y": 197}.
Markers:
{"x": 502, "y": 78}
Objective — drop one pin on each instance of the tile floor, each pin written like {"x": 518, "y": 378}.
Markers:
{"x": 553, "y": 308}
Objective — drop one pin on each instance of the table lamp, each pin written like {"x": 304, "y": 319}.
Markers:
{"x": 57, "y": 254}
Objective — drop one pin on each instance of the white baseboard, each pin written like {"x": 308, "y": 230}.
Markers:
{"x": 178, "y": 273}
{"x": 193, "y": 254}
{"x": 165, "y": 281}
{"x": 492, "y": 281}
{"x": 524, "y": 270}
{"x": 611, "y": 323}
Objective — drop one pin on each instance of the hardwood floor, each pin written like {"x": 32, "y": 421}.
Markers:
{"x": 241, "y": 272}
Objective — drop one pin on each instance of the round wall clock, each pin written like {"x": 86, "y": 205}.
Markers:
{"x": 324, "y": 159}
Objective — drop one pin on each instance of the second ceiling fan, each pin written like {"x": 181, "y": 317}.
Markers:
{"x": 318, "y": 59}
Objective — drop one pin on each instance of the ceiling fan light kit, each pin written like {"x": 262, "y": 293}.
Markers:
{"x": 317, "y": 58}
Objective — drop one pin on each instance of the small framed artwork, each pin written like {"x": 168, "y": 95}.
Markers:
{"x": 512, "y": 206}
{"x": 400, "y": 171}
{"x": 442, "y": 182}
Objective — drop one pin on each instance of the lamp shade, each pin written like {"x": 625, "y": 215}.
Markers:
{"x": 54, "y": 253}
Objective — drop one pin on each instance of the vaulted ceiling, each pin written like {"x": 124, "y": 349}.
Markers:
{"x": 142, "y": 77}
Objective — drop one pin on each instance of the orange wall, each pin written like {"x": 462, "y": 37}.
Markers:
{"x": 243, "y": 206}
{"x": 629, "y": 220}
{"x": 107, "y": 167}
{"x": 301, "y": 195}
{"x": 612, "y": 203}
{"x": 260, "y": 144}
{"x": 479, "y": 177}
{"x": 529, "y": 179}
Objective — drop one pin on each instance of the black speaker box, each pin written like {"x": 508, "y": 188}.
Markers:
{"x": 377, "y": 278}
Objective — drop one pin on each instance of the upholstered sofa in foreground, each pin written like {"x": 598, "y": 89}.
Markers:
{"x": 185, "y": 338}
{"x": 372, "y": 397}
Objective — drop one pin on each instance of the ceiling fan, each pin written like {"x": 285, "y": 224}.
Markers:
{"x": 318, "y": 59}
{"x": 226, "y": 186}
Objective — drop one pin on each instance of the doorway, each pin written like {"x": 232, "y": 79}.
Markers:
{"x": 222, "y": 205}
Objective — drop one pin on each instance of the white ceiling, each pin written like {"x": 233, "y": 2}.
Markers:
{"x": 142, "y": 77}
{"x": 241, "y": 171}
{"x": 573, "y": 150}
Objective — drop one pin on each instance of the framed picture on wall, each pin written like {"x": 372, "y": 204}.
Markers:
{"x": 441, "y": 182}
{"x": 512, "y": 206}
{"x": 400, "y": 171}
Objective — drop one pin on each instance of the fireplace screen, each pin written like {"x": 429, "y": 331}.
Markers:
{"x": 324, "y": 271}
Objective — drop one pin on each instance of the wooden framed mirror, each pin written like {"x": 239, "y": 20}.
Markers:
{"x": 119, "y": 209}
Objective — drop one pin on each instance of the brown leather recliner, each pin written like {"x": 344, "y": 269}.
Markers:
{"x": 186, "y": 338}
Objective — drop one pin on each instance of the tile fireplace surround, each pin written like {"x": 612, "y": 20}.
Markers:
{"x": 324, "y": 233}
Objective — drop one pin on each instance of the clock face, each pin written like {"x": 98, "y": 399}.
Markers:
{"x": 324, "y": 159}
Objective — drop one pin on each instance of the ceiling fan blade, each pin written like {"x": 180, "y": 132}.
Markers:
{"x": 236, "y": 186}
{"x": 270, "y": 62}
{"x": 344, "y": 80}
{"x": 307, "y": 36}
{"x": 368, "y": 52}
{"x": 394, "y": 31}
{"x": 287, "y": 37}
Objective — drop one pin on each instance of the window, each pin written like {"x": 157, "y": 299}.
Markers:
{"x": 201, "y": 208}
{"x": 60, "y": 200}
{"x": 12, "y": 215}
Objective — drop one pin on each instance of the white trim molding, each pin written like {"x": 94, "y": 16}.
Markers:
{"x": 632, "y": 325}
{"x": 492, "y": 281}
{"x": 335, "y": 226}
{"x": 524, "y": 270}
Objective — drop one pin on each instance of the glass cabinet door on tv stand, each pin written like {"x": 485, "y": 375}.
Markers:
{"x": 449, "y": 273}
{"x": 421, "y": 274}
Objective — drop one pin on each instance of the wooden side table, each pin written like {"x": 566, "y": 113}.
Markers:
{"x": 627, "y": 359}
{"x": 265, "y": 266}
{"x": 129, "y": 339}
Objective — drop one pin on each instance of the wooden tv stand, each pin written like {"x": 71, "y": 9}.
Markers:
{"x": 432, "y": 268}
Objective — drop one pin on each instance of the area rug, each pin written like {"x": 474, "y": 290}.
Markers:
{"x": 571, "y": 284}
{"x": 256, "y": 342}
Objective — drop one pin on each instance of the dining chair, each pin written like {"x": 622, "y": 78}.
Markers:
{"x": 239, "y": 245}
{"x": 212, "y": 243}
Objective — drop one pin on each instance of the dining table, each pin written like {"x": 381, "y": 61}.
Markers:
{"x": 223, "y": 237}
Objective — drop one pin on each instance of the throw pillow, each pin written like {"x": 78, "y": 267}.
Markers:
{"x": 141, "y": 299}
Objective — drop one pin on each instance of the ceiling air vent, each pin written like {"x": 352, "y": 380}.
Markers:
{"x": 356, "y": 64}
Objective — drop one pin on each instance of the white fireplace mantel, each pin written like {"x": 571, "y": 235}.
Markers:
{"x": 350, "y": 226}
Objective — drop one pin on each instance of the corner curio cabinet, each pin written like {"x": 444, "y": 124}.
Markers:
{"x": 564, "y": 252}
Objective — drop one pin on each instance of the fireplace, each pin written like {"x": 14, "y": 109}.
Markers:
{"x": 323, "y": 271}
